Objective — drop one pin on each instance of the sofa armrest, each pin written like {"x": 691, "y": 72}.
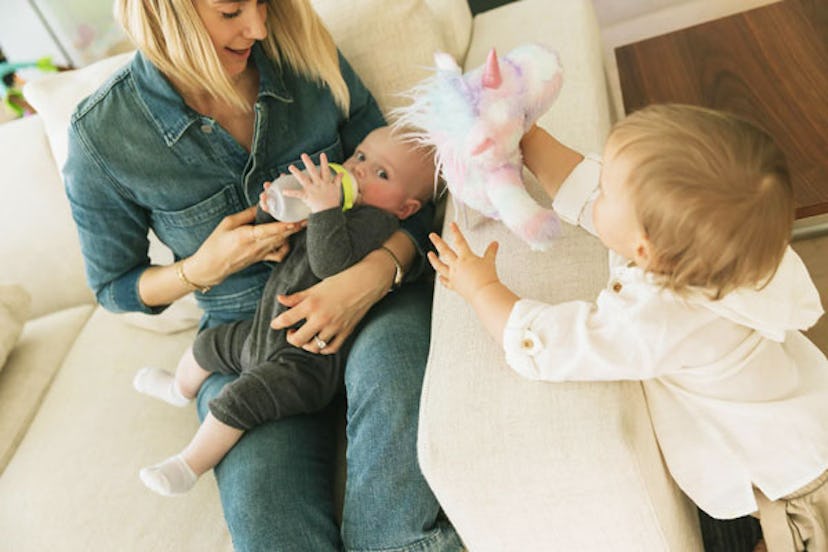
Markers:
{"x": 522, "y": 465}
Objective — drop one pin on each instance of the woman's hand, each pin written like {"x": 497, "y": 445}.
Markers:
{"x": 236, "y": 244}
{"x": 332, "y": 308}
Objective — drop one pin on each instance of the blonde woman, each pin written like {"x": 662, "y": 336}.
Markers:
{"x": 223, "y": 96}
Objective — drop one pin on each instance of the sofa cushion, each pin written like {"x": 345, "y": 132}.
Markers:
{"x": 14, "y": 309}
{"x": 74, "y": 477}
{"x": 365, "y": 32}
{"x": 455, "y": 18}
{"x": 30, "y": 369}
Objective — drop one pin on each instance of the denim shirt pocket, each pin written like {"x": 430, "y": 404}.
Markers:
{"x": 184, "y": 230}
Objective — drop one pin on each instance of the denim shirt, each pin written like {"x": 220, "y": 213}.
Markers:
{"x": 141, "y": 159}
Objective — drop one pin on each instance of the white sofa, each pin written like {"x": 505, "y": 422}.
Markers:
{"x": 517, "y": 465}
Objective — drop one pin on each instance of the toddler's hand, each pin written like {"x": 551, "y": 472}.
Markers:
{"x": 462, "y": 270}
{"x": 320, "y": 190}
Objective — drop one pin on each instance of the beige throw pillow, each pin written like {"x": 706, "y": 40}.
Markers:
{"x": 56, "y": 96}
{"x": 390, "y": 45}
{"x": 14, "y": 309}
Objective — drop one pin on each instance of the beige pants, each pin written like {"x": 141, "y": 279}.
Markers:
{"x": 796, "y": 522}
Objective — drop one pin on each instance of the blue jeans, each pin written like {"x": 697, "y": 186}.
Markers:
{"x": 276, "y": 484}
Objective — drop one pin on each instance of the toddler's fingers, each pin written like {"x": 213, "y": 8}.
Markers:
{"x": 446, "y": 252}
{"x": 459, "y": 240}
{"x": 439, "y": 267}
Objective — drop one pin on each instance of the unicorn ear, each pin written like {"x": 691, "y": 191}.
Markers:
{"x": 491, "y": 74}
{"x": 445, "y": 62}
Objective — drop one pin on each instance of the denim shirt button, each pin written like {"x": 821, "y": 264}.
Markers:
{"x": 206, "y": 129}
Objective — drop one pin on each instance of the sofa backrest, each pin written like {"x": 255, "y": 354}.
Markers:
{"x": 391, "y": 44}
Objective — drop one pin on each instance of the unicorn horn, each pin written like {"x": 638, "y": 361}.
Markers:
{"x": 491, "y": 74}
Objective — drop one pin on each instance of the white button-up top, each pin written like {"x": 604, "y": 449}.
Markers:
{"x": 738, "y": 396}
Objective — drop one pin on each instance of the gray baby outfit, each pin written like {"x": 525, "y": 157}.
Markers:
{"x": 277, "y": 379}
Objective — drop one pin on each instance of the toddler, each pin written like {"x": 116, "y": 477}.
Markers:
{"x": 277, "y": 379}
{"x": 704, "y": 305}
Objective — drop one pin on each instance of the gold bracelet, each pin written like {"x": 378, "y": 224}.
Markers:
{"x": 179, "y": 269}
{"x": 398, "y": 269}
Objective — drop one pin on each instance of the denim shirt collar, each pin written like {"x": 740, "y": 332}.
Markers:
{"x": 166, "y": 106}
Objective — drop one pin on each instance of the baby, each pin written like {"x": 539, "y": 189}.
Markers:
{"x": 704, "y": 305}
{"x": 277, "y": 379}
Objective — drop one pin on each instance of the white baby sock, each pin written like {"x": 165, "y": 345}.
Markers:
{"x": 159, "y": 384}
{"x": 169, "y": 478}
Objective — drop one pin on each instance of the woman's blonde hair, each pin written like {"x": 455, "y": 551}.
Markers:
{"x": 712, "y": 193}
{"x": 171, "y": 35}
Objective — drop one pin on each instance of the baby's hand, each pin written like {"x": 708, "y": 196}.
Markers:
{"x": 320, "y": 190}
{"x": 463, "y": 271}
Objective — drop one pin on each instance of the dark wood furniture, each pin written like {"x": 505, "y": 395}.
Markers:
{"x": 769, "y": 65}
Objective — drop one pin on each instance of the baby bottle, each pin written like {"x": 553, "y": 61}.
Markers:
{"x": 291, "y": 209}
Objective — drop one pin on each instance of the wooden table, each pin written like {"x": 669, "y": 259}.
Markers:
{"x": 769, "y": 65}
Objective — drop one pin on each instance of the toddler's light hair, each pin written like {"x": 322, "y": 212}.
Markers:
{"x": 712, "y": 193}
{"x": 170, "y": 33}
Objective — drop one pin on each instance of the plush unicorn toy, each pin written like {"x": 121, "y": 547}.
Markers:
{"x": 475, "y": 122}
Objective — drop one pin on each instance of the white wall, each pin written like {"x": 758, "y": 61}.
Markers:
{"x": 22, "y": 35}
{"x": 611, "y": 12}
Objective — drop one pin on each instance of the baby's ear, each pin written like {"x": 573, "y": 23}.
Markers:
{"x": 408, "y": 208}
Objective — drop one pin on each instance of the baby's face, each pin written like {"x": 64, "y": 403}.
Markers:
{"x": 388, "y": 172}
{"x": 614, "y": 210}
